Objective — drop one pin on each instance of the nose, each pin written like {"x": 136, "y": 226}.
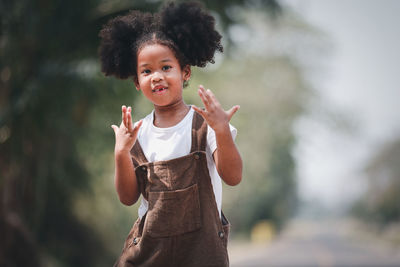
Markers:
{"x": 157, "y": 76}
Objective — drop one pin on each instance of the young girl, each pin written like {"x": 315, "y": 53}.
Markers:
{"x": 176, "y": 156}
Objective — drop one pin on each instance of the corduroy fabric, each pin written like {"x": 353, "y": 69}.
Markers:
{"x": 182, "y": 226}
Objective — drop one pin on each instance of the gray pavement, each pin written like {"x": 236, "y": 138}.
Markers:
{"x": 326, "y": 243}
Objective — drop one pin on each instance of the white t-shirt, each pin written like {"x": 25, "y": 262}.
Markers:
{"x": 173, "y": 142}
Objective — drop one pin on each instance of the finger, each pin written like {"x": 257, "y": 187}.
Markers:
{"x": 129, "y": 119}
{"x": 210, "y": 94}
{"x": 207, "y": 94}
{"x": 123, "y": 111}
{"x": 203, "y": 97}
{"x": 200, "y": 111}
{"x": 126, "y": 118}
{"x": 128, "y": 115}
{"x": 212, "y": 97}
{"x": 202, "y": 93}
{"x": 115, "y": 128}
{"x": 136, "y": 128}
{"x": 138, "y": 125}
{"x": 232, "y": 111}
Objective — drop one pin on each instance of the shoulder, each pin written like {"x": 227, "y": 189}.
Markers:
{"x": 211, "y": 139}
{"x": 211, "y": 132}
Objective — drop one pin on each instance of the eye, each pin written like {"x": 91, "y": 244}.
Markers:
{"x": 146, "y": 71}
{"x": 166, "y": 67}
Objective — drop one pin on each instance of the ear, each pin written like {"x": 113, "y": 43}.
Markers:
{"x": 187, "y": 72}
{"x": 136, "y": 82}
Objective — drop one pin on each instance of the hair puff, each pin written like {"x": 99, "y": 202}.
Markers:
{"x": 118, "y": 38}
{"x": 193, "y": 30}
{"x": 187, "y": 29}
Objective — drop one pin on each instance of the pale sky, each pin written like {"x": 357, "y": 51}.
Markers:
{"x": 362, "y": 79}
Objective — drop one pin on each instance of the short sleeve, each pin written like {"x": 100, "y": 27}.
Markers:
{"x": 211, "y": 139}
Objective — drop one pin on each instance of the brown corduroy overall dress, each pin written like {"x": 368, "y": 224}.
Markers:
{"x": 182, "y": 226}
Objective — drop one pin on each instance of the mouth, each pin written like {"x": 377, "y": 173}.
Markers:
{"x": 159, "y": 89}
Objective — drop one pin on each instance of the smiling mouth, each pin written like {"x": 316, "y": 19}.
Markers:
{"x": 159, "y": 90}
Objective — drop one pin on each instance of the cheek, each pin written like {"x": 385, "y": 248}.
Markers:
{"x": 142, "y": 81}
{"x": 177, "y": 76}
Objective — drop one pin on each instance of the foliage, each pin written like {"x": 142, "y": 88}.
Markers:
{"x": 45, "y": 101}
{"x": 55, "y": 108}
{"x": 268, "y": 83}
{"x": 381, "y": 201}
{"x": 265, "y": 136}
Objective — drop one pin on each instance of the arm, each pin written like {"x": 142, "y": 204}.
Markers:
{"x": 125, "y": 177}
{"x": 226, "y": 156}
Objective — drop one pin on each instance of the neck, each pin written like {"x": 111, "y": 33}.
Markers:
{"x": 171, "y": 115}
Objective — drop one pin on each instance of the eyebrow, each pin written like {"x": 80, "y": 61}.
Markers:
{"x": 146, "y": 64}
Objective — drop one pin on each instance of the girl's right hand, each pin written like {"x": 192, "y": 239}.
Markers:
{"x": 126, "y": 133}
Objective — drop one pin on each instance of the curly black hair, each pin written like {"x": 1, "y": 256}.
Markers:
{"x": 186, "y": 28}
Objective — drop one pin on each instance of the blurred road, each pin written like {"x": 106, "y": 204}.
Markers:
{"x": 322, "y": 244}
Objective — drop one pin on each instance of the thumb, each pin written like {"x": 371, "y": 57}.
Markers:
{"x": 199, "y": 110}
{"x": 115, "y": 128}
{"x": 232, "y": 111}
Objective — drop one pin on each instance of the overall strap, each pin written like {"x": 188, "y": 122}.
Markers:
{"x": 137, "y": 154}
{"x": 199, "y": 133}
{"x": 138, "y": 158}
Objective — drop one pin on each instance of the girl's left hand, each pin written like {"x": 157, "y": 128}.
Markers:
{"x": 214, "y": 114}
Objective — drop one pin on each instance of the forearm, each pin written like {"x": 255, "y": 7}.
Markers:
{"x": 227, "y": 158}
{"x": 125, "y": 178}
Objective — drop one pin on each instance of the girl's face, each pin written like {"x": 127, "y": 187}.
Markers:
{"x": 160, "y": 76}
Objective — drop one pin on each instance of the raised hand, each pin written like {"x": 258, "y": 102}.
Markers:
{"x": 214, "y": 114}
{"x": 126, "y": 133}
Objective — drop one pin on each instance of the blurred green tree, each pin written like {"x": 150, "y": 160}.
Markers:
{"x": 381, "y": 201}
{"x": 52, "y": 99}
{"x": 264, "y": 74}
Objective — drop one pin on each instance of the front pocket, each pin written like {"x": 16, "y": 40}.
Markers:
{"x": 173, "y": 213}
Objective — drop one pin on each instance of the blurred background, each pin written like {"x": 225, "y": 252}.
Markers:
{"x": 318, "y": 131}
